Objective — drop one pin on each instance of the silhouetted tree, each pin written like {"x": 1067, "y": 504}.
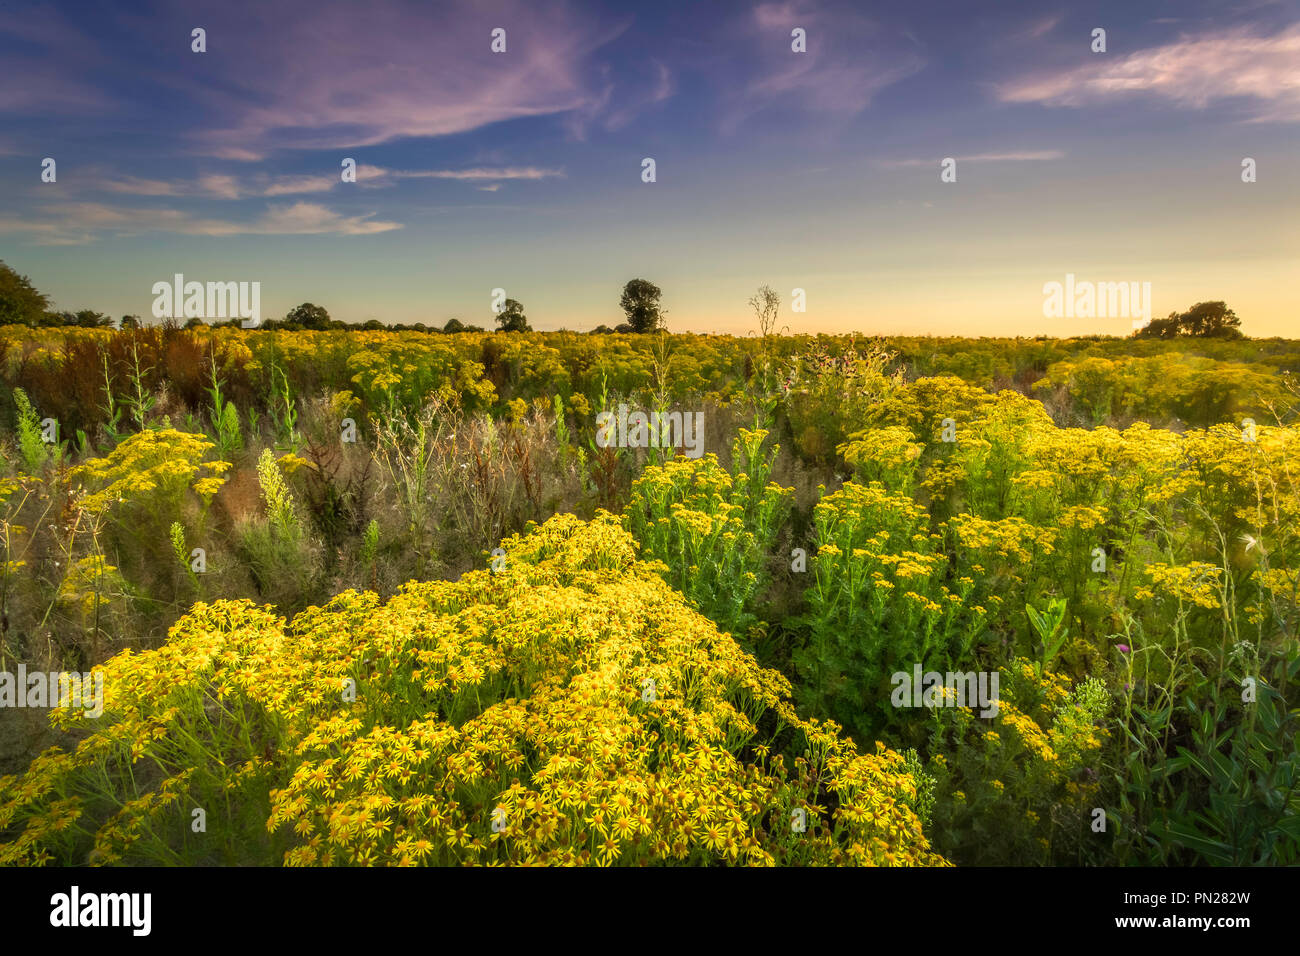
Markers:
{"x": 511, "y": 318}
{"x": 20, "y": 302}
{"x": 640, "y": 301}
{"x": 308, "y": 316}
{"x": 1205, "y": 319}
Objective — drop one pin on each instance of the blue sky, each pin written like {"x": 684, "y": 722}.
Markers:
{"x": 522, "y": 170}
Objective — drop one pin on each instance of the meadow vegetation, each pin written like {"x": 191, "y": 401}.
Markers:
{"x": 380, "y": 597}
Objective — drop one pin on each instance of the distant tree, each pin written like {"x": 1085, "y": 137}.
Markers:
{"x": 453, "y": 326}
{"x": 1166, "y": 328}
{"x": 511, "y": 318}
{"x": 640, "y": 302}
{"x": 20, "y": 302}
{"x": 308, "y": 316}
{"x": 624, "y": 329}
{"x": 82, "y": 319}
{"x": 1213, "y": 320}
{"x": 195, "y": 323}
{"x": 373, "y": 325}
{"x": 474, "y": 328}
{"x": 132, "y": 322}
{"x": 1205, "y": 320}
{"x": 602, "y": 330}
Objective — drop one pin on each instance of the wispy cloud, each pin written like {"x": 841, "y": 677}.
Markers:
{"x": 1027, "y": 156}
{"x": 221, "y": 185}
{"x": 241, "y": 154}
{"x": 657, "y": 87}
{"x": 1193, "y": 72}
{"x": 849, "y": 59}
{"x": 304, "y": 218}
{"x": 138, "y": 186}
{"x": 262, "y": 185}
{"x": 1038, "y": 27}
{"x": 298, "y": 185}
{"x": 476, "y": 174}
{"x": 81, "y": 222}
{"x": 307, "y": 74}
{"x": 435, "y": 77}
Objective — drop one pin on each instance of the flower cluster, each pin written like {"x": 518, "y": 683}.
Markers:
{"x": 570, "y": 709}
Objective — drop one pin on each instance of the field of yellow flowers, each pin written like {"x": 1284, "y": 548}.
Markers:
{"x": 367, "y": 598}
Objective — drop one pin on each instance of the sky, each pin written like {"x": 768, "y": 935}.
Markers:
{"x": 523, "y": 170}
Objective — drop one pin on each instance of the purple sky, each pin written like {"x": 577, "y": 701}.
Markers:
{"x": 817, "y": 170}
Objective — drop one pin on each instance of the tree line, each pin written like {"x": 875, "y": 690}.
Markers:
{"x": 21, "y": 303}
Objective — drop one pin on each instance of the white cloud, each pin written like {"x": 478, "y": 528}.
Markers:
{"x": 1193, "y": 72}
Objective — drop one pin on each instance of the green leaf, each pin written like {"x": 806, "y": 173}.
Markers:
{"x": 1196, "y": 762}
{"x": 1186, "y": 835}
